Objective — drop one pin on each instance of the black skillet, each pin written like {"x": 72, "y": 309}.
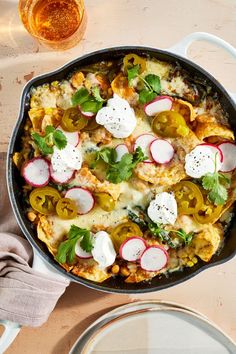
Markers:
{"x": 113, "y": 285}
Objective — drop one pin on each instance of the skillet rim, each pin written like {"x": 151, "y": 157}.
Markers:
{"x": 10, "y": 175}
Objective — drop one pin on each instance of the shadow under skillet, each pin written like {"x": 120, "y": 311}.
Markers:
{"x": 67, "y": 341}
{"x": 82, "y": 300}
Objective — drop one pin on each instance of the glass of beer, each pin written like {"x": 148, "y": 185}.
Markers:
{"x": 58, "y": 24}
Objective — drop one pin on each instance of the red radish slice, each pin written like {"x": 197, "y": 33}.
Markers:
{"x": 161, "y": 150}
{"x": 83, "y": 198}
{"x": 36, "y": 172}
{"x": 132, "y": 248}
{"x": 144, "y": 142}
{"x": 72, "y": 138}
{"x": 61, "y": 177}
{"x": 154, "y": 258}
{"x": 121, "y": 150}
{"x": 81, "y": 253}
{"x": 215, "y": 149}
{"x": 229, "y": 156}
{"x": 88, "y": 114}
{"x": 159, "y": 104}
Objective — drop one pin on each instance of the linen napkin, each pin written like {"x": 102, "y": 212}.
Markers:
{"x": 27, "y": 296}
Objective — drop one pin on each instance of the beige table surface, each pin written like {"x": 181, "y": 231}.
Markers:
{"x": 117, "y": 22}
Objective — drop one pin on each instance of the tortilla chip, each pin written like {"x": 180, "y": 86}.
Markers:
{"x": 185, "y": 109}
{"x": 211, "y": 129}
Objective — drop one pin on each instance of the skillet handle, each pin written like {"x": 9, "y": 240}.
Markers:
{"x": 181, "y": 47}
{"x": 11, "y": 329}
{"x": 43, "y": 267}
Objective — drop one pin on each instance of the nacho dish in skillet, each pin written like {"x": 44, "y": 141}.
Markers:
{"x": 128, "y": 169}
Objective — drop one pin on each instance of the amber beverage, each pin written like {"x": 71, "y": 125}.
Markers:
{"x": 59, "y": 24}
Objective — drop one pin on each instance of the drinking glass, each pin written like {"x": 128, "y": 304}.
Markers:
{"x": 58, "y": 24}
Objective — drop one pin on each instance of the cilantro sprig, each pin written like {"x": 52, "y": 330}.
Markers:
{"x": 122, "y": 170}
{"x": 186, "y": 237}
{"x": 152, "y": 84}
{"x": 51, "y": 137}
{"x": 66, "y": 250}
{"x": 157, "y": 230}
{"x": 216, "y": 184}
{"x": 88, "y": 102}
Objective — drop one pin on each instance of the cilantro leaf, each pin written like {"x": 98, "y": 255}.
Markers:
{"x": 218, "y": 195}
{"x": 80, "y": 96}
{"x": 91, "y": 106}
{"x": 87, "y": 242}
{"x": 138, "y": 156}
{"x": 107, "y": 154}
{"x": 59, "y": 139}
{"x": 186, "y": 237}
{"x": 208, "y": 181}
{"x": 146, "y": 96}
{"x": 49, "y": 130}
{"x": 96, "y": 94}
{"x": 52, "y": 137}
{"x": 154, "y": 82}
{"x": 122, "y": 170}
{"x": 87, "y": 102}
{"x": 66, "y": 250}
{"x": 158, "y": 231}
{"x": 41, "y": 143}
{"x": 133, "y": 73}
{"x": 216, "y": 183}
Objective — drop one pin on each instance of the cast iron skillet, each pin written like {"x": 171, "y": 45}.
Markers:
{"x": 14, "y": 179}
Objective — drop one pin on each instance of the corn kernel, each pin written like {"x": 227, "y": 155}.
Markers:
{"x": 194, "y": 260}
{"x": 115, "y": 269}
{"x": 190, "y": 264}
{"x": 31, "y": 216}
{"x": 124, "y": 271}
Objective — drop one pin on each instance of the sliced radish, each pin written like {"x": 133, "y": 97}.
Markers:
{"x": 132, "y": 248}
{"x": 121, "y": 150}
{"x": 88, "y": 114}
{"x": 82, "y": 253}
{"x": 61, "y": 177}
{"x": 36, "y": 172}
{"x": 154, "y": 258}
{"x": 215, "y": 149}
{"x": 83, "y": 198}
{"x": 161, "y": 150}
{"x": 159, "y": 104}
{"x": 229, "y": 156}
{"x": 72, "y": 138}
{"x": 144, "y": 142}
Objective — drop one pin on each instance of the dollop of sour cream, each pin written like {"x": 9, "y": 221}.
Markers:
{"x": 117, "y": 117}
{"x": 163, "y": 209}
{"x": 68, "y": 158}
{"x": 201, "y": 160}
{"x": 103, "y": 250}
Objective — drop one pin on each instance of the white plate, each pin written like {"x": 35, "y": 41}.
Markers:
{"x": 150, "y": 327}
